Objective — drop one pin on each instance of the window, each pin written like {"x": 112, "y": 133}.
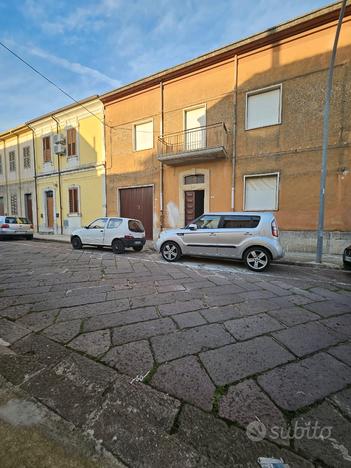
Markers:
{"x": 98, "y": 224}
{"x": 195, "y": 130}
{"x": 71, "y": 142}
{"x": 114, "y": 223}
{"x": 261, "y": 192}
{"x": 135, "y": 226}
{"x": 263, "y": 107}
{"x": 194, "y": 179}
{"x": 24, "y": 221}
{"x": 0, "y": 164}
{"x": 12, "y": 161}
{"x": 239, "y": 222}
{"x": 13, "y": 203}
{"x": 208, "y": 222}
{"x": 46, "y": 149}
{"x": 143, "y": 136}
{"x": 26, "y": 157}
{"x": 73, "y": 195}
{"x": 10, "y": 220}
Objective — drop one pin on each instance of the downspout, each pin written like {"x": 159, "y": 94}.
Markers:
{"x": 35, "y": 178}
{"x": 59, "y": 174}
{"x": 105, "y": 160}
{"x": 161, "y": 164}
{"x": 235, "y": 92}
{"x": 6, "y": 178}
{"x": 19, "y": 176}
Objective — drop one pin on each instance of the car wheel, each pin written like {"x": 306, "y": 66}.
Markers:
{"x": 138, "y": 248}
{"x": 76, "y": 243}
{"x": 118, "y": 246}
{"x": 170, "y": 251}
{"x": 257, "y": 259}
{"x": 29, "y": 237}
{"x": 347, "y": 265}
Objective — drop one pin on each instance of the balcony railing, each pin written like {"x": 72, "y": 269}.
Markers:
{"x": 209, "y": 142}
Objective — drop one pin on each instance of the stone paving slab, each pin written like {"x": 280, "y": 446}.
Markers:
{"x": 342, "y": 352}
{"x": 94, "y": 343}
{"x": 234, "y": 362}
{"x": 304, "y": 382}
{"x": 293, "y": 316}
{"x": 249, "y": 327}
{"x": 132, "y": 358}
{"x": 138, "y": 331}
{"x": 11, "y": 332}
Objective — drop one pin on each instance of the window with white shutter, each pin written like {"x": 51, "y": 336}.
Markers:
{"x": 263, "y": 107}
{"x": 26, "y": 157}
{"x": 143, "y": 136}
{"x": 261, "y": 192}
{"x": 12, "y": 161}
{"x": 13, "y": 204}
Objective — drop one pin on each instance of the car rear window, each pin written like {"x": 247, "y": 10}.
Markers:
{"x": 135, "y": 226}
{"x": 23, "y": 221}
{"x": 240, "y": 222}
{"x": 10, "y": 220}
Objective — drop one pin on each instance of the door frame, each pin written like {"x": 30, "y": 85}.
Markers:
{"x": 45, "y": 215}
{"x": 154, "y": 228}
{"x": 25, "y": 195}
{"x": 189, "y": 187}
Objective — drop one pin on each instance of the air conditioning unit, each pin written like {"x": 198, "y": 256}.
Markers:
{"x": 59, "y": 138}
{"x": 59, "y": 149}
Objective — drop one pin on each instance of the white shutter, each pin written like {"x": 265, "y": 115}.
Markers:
{"x": 263, "y": 108}
{"x": 261, "y": 193}
{"x": 144, "y": 136}
{"x": 195, "y": 118}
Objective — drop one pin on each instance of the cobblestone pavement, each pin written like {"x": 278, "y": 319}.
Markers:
{"x": 219, "y": 347}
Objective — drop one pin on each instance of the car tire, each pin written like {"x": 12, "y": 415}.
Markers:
{"x": 171, "y": 251}
{"x": 257, "y": 259}
{"x": 118, "y": 246}
{"x": 29, "y": 237}
{"x": 347, "y": 265}
{"x": 76, "y": 243}
{"x": 138, "y": 248}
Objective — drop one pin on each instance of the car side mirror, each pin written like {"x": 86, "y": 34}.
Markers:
{"x": 192, "y": 227}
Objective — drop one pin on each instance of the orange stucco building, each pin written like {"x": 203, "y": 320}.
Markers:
{"x": 239, "y": 128}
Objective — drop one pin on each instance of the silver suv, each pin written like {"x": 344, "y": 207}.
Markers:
{"x": 251, "y": 237}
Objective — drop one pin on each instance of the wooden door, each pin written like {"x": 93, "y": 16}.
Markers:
{"x": 189, "y": 196}
{"x": 50, "y": 209}
{"x": 137, "y": 203}
{"x": 29, "y": 208}
{"x": 2, "y": 208}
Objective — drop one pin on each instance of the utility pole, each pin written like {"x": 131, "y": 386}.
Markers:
{"x": 326, "y": 137}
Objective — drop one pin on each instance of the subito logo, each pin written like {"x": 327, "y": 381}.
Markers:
{"x": 256, "y": 431}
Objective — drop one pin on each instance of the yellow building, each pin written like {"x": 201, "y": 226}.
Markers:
{"x": 70, "y": 166}
{"x": 17, "y": 183}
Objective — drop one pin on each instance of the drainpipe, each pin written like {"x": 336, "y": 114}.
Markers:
{"x": 19, "y": 176}
{"x": 235, "y": 92}
{"x": 6, "y": 178}
{"x": 59, "y": 175}
{"x": 105, "y": 160}
{"x": 35, "y": 177}
{"x": 161, "y": 164}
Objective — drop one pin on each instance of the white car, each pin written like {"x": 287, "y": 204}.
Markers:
{"x": 250, "y": 237}
{"x": 15, "y": 226}
{"x": 117, "y": 233}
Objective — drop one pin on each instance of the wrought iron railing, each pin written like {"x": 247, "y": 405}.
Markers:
{"x": 194, "y": 139}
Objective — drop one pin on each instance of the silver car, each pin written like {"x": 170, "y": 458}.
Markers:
{"x": 15, "y": 226}
{"x": 251, "y": 237}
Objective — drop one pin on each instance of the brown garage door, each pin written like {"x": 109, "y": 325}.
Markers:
{"x": 138, "y": 203}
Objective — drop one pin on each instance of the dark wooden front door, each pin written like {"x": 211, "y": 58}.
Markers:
{"x": 137, "y": 203}
{"x": 50, "y": 209}
{"x": 194, "y": 205}
{"x": 28, "y": 206}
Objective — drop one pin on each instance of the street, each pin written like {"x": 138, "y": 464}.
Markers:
{"x": 168, "y": 364}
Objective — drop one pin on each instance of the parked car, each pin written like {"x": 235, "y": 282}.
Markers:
{"x": 250, "y": 237}
{"x": 15, "y": 226}
{"x": 117, "y": 233}
{"x": 346, "y": 258}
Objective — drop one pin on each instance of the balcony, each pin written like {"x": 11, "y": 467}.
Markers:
{"x": 194, "y": 145}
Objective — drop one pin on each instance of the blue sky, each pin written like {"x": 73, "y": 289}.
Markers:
{"x": 89, "y": 47}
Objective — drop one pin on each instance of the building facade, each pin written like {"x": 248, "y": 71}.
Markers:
{"x": 70, "y": 166}
{"x": 239, "y": 129}
{"x": 17, "y": 170}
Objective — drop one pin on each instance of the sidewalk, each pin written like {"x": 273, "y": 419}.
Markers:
{"x": 290, "y": 258}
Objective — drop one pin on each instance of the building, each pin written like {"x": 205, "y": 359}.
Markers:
{"x": 17, "y": 170}
{"x": 239, "y": 128}
{"x": 70, "y": 166}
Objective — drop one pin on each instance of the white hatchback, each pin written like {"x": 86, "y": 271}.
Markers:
{"x": 117, "y": 233}
{"x": 15, "y": 226}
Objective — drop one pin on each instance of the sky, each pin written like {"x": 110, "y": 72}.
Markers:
{"x": 89, "y": 47}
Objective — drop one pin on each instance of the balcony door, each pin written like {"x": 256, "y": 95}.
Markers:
{"x": 49, "y": 195}
{"x": 195, "y": 129}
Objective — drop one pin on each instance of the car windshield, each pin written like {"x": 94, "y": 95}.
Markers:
{"x": 98, "y": 224}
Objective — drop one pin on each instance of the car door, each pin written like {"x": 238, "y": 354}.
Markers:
{"x": 94, "y": 233}
{"x": 202, "y": 241}
{"x": 112, "y": 230}
{"x": 235, "y": 231}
